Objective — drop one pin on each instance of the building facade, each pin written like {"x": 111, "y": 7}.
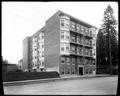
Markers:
{"x": 65, "y": 44}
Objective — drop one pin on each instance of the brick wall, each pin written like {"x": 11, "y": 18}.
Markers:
{"x": 25, "y": 53}
{"x": 52, "y": 43}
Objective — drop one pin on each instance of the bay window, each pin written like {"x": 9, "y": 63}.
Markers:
{"x": 65, "y": 35}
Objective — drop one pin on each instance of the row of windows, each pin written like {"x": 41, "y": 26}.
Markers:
{"x": 65, "y": 34}
{"x": 65, "y": 47}
{"x": 76, "y": 50}
{"x": 81, "y": 40}
{"x": 79, "y": 28}
{"x": 64, "y": 23}
{"x": 89, "y": 71}
{"x": 73, "y": 60}
{"x": 41, "y": 54}
{"x": 67, "y": 70}
{"x": 75, "y": 27}
{"x": 38, "y": 64}
{"x": 39, "y": 44}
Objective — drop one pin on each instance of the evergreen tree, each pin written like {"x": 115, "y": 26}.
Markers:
{"x": 107, "y": 44}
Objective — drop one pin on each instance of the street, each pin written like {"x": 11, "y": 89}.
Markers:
{"x": 90, "y": 86}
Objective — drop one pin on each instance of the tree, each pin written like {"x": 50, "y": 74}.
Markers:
{"x": 107, "y": 44}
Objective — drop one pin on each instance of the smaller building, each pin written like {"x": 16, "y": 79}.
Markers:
{"x": 20, "y": 64}
{"x": 9, "y": 68}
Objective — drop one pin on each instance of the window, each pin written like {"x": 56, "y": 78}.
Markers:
{"x": 87, "y": 71}
{"x": 93, "y": 42}
{"x": 80, "y": 50}
{"x": 90, "y": 52}
{"x": 73, "y": 71}
{"x": 42, "y": 63}
{"x": 90, "y": 42}
{"x": 43, "y": 54}
{"x": 65, "y": 22}
{"x": 90, "y": 33}
{"x": 63, "y": 60}
{"x": 72, "y": 26}
{"x": 62, "y": 22}
{"x": 67, "y": 47}
{"x": 86, "y": 31}
{"x": 90, "y": 71}
{"x": 42, "y": 46}
{"x": 78, "y": 28}
{"x": 62, "y": 48}
{"x": 73, "y": 60}
{"x": 82, "y": 29}
{"x": 68, "y": 70}
{"x": 72, "y": 48}
{"x": 73, "y": 38}
{"x": 93, "y": 34}
{"x": 67, "y": 60}
{"x": 67, "y": 35}
{"x": 42, "y": 36}
{"x": 62, "y": 34}
{"x": 93, "y": 62}
{"x": 62, "y": 70}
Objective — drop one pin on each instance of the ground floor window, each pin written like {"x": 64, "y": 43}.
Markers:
{"x": 73, "y": 71}
{"x": 90, "y": 71}
{"x": 62, "y": 71}
{"x": 67, "y": 70}
{"x": 87, "y": 71}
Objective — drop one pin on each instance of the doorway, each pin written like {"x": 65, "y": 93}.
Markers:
{"x": 80, "y": 70}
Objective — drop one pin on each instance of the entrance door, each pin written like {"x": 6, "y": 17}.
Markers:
{"x": 80, "y": 70}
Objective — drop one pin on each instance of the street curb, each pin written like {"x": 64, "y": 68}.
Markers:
{"x": 25, "y": 82}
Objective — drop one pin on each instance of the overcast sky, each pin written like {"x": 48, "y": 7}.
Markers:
{"x": 22, "y": 19}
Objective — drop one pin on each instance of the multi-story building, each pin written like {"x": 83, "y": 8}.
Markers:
{"x": 65, "y": 44}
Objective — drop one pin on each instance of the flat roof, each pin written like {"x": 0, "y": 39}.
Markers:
{"x": 78, "y": 20}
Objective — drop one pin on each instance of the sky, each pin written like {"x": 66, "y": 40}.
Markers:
{"x": 22, "y": 19}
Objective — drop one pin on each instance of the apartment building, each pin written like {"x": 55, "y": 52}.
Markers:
{"x": 65, "y": 44}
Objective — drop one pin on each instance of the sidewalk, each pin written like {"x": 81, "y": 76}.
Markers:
{"x": 62, "y": 77}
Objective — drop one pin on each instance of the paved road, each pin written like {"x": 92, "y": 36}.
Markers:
{"x": 90, "y": 86}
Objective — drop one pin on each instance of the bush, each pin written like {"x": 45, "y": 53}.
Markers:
{"x": 17, "y": 76}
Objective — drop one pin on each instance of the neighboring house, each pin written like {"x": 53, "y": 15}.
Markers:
{"x": 65, "y": 44}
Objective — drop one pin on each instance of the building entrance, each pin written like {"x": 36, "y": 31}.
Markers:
{"x": 80, "y": 70}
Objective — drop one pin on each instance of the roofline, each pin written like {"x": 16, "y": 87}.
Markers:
{"x": 76, "y": 19}
{"x": 40, "y": 30}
